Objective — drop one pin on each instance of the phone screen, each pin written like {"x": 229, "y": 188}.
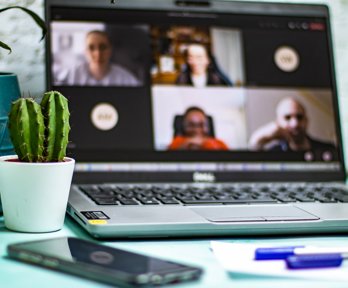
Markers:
{"x": 74, "y": 250}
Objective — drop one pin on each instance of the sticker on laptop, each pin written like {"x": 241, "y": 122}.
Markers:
{"x": 97, "y": 222}
{"x": 95, "y": 215}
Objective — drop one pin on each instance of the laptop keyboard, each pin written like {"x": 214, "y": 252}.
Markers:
{"x": 219, "y": 194}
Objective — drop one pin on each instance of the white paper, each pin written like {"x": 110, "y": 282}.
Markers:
{"x": 239, "y": 258}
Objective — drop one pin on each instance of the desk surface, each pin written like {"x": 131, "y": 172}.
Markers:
{"x": 191, "y": 251}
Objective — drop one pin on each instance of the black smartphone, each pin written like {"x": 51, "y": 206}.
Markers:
{"x": 102, "y": 263}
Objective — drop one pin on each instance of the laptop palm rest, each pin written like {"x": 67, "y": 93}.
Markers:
{"x": 254, "y": 214}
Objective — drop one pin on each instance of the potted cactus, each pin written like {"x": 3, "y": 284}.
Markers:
{"x": 35, "y": 183}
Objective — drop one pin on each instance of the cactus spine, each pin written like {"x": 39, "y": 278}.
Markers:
{"x": 40, "y": 132}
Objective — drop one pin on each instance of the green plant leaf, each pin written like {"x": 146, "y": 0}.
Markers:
{"x": 5, "y": 46}
{"x": 33, "y": 15}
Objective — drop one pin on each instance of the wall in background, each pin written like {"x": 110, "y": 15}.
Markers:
{"x": 27, "y": 58}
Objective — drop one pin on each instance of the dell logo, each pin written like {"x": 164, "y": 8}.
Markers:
{"x": 203, "y": 177}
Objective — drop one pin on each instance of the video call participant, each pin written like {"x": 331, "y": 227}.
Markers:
{"x": 288, "y": 132}
{"x": 98, "y": 69}
{"x": 199, "y": 70}
{"x": 195, "y": 134}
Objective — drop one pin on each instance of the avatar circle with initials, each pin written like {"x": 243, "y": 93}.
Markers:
{"x": 104, "y": 116}
{"x": 286, "y": 58}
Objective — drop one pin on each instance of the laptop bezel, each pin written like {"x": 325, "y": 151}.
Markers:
{"x": 268, "y": 9}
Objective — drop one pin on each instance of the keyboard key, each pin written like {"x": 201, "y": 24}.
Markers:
{"x": 304, "y": 198}
{"x": 106, "y": 202}
{"x": 156, "y": 189}
{"x": 326, "y": 200}
{"x": 148, "y": 201}
{"x": 265, "y": 198}
{"x": 229, "y": 201}
{"x": 197, "y": 201}
{"x": 224, "y": 197}
{"x": 245, "y": 197}
{"x": 169, "y": 201}
{"x": 245, "y": 188}
{"x": 175, "y": 190}
{"x": 102, "y": 195}
{"x": 340, "y": 197}
{"x": 204, "y": 196}
{"x": 264, "y": 189}
{"x": 89, "y": 189}
{"x": 188, "y": 198}
{"x": 137, "y": 189}
{"x": 285, "y": 198}
{"x": 194, "y": 189}
{"x": 128, "y": 202}
{"x": 107, "y": 190}
{"x": 261, "y": 200}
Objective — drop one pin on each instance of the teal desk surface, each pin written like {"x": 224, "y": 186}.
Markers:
{"x": 191, "y": 251}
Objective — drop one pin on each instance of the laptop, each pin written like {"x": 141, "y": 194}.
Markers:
{"x": 199, "y": 118}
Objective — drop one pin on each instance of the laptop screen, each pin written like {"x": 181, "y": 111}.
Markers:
{"x": 218, "y": 87}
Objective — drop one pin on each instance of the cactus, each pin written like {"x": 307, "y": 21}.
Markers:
{"x": 56, "y": 113}
{"x": 40, "y": 132}
{"x": 27, "y": 130}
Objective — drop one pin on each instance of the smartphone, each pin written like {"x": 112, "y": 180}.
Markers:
{"x": 102, "y": 263}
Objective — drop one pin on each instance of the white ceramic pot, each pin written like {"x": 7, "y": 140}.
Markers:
{"x": 35, "y": 195}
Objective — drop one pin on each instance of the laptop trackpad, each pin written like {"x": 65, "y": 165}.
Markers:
{"x": 253, "y": 213}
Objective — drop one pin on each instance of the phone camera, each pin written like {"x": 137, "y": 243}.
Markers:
{"x": 101, "y": 257}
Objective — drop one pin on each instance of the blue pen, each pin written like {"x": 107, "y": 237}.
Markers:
{"x": 314, "y": 261}
{"x": 275, "y": 253}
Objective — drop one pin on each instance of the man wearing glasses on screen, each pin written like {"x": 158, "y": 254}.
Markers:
{"x": 195, "y": 133}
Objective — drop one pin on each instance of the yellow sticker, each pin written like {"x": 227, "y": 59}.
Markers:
{"x": 97, "y": 222}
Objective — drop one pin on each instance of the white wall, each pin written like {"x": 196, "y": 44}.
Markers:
{"x": 27, "y": 58}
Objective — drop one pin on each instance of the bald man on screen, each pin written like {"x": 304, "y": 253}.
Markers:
{"x": 288, "y": 132}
